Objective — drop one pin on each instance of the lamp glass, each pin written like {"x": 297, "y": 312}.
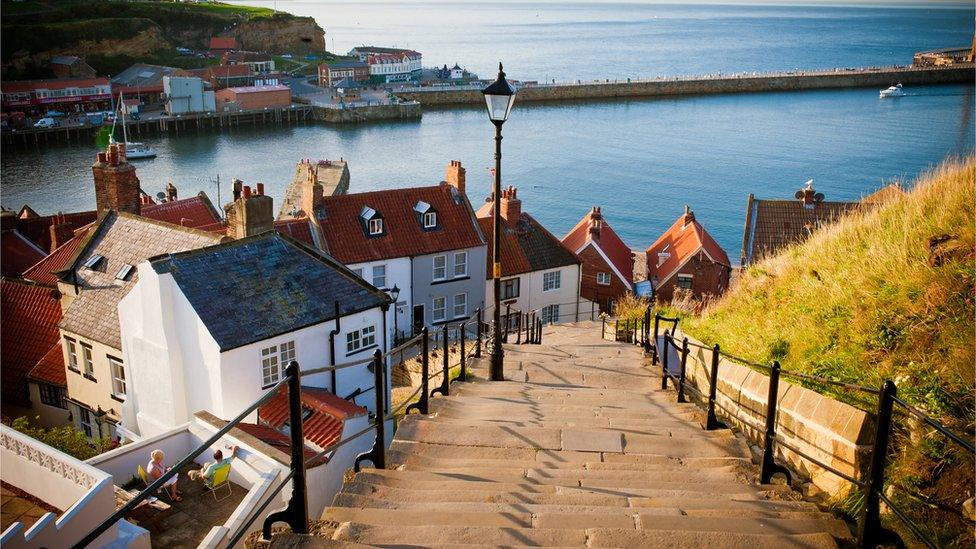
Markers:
{"x": 499, "y": 106}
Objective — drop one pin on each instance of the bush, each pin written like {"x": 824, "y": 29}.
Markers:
{"x": 65, "y": 439}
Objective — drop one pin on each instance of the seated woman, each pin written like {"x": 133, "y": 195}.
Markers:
{"x": 207, "y": 471}
{"x": 156, "y": 469}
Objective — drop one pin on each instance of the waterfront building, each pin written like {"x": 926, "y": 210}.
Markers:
{"x": 422, "y": 240}
{"x": 144, "y": 82}
{"x": 71, "y": 66}
{"x": 335, "y": 71}
{"x": 67, "y": 95}
{"x": 254, "y": 97}
{"x": 212, "y": 328}
{"x": 186, "y": 94}
{"x": 539, "y": 273}
{"x": 389, "y": 64}
{"x": 258, "y": 62}
{"x": 220, "y": 45}
{"x": 686, "y": 257}
{"x": 608, "y": 263}
{"x": 228, "y": 76}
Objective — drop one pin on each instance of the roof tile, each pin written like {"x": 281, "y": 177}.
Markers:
{"x": 684, "y": 239}
{"x": 611, "y": 244}
{"x": 28, "y": 330}
{"x": 327, "y": 414}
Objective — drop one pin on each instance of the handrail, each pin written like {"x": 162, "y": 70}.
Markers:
{"x": 782, "y": 442}
{"x": 821, "y": 379}
{"x": 935, "y": 424}
{"x": 907, "y": 521}
{"x": 175, "y": 469}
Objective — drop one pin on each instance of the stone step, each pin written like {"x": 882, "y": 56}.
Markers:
{"x": 523, "y": 406}
{"x": 451, "y": 451}
{"x": 542, "y": 474}
{"x": 665, "y": 466}
{"x": 660, "y": 428}
{"x": 832, "y": 526}
{"x": 671, "y": 539}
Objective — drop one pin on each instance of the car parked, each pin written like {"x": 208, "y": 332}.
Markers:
{"x": 46, "y": 122}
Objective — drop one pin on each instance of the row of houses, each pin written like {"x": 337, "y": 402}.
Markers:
{"x": 373, "y": 65}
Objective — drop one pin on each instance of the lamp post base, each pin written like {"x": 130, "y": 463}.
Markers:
{"x": 497, "y": 368}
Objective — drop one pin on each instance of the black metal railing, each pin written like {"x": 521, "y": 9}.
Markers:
{"x": 870, "y": 532}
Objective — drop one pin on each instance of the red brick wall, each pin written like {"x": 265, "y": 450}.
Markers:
{"x": 709, "y": 278}
{"x": 255, "y": 100}
{"x": 594, "y": 263}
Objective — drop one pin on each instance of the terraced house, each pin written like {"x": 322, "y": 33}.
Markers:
{"x": 424, "y": 241}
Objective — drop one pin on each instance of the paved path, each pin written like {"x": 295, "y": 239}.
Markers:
{"x": 580, "y": 448}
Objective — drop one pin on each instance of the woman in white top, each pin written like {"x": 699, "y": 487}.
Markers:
{"x": 156, "y": 469}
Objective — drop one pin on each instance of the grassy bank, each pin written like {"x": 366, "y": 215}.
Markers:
{"x": 882, "y": 294}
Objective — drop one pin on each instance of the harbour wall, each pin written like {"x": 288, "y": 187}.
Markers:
{"x": 370, "y": 113}
{"x": 743, "y": 83}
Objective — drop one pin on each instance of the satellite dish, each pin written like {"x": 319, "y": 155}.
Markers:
{"x": 798, "y": 195}
{"x": 818, "y": 197}
{"x": 161, "y": 195}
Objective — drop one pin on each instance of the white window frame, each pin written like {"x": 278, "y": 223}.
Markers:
{"x": 72, "y": 354}
{"x": 551, "y": 280}
{"x": 434, "y": 315}
{"x": 270, "y": 366}
{"x": 382, "y": 281}
{"x": 603, "y": 279}
{"x": 376, "y": 226}
{"x": 461, "y": 264}
{"x": 117, "y": 368}
{"x": 88, "y": 360}
{"x": 87, "y": 426}
{"x": 360, "y": 339}
{"x": 684, "y": 277}
{"x": 516, "y": 285}
{"x": 430, "y": 220}
{"x": 359, "y": 272}
{"x": 442, "y": 268}
{"x": 550, "y": 314}
{"x": 462, "y": 303}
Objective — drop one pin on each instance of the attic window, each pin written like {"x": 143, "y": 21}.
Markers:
{"x": 93, "y": 262}
{"x": 430, "y": 220}
{"x": 286, "y": 426}
{"x": 662, "y": 257}
{"x": 376, "y": 226}
{"x": 421, "y": 207}
{"x": 367, "y": 213}
{"x": 124, "y": 272}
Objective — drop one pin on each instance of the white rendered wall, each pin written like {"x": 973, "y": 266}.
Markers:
{"x": 397, "y": 274}
{"x": 533, "y": 298}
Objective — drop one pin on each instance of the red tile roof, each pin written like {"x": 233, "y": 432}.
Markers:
{"x": 17, "y": 254}
{"x": 345, "y": 231}
{"x": 195, "y": 212}
{"x": 328, "y": 413}
{"x": 28, "y": 330}
{"x": 50, "y": 368}
{"x": 683, "y": 240}
{"x": 38, "y": 229}
{"x": 527, "y": 247}
{"x": 608, "y": 242}
{"x": 299, "y": 229}
{"x": 43, "y": 271}
{"x": 230, "y": 71}
{"x": 279, "y": 441}
{"x": 223, "y": 43}
{"x": 52, "y": 84}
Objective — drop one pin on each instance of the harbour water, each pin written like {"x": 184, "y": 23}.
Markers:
{"x": 642, "y": 160}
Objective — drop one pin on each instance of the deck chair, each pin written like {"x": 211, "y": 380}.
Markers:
{"x": 144, "y": 477}
{"x": 219, "y": 480}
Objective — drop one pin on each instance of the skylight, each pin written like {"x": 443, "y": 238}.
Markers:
{"x": 421, "y": 207}
{"x": 367, "y": 213}
{"x": 124, "y": 272}
{"x": 93, "y": 261}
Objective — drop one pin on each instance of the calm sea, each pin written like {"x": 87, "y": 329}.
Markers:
{"x": 642, "y": 160}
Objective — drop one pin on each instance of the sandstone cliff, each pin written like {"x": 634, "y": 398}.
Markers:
{"x": 298, "y": 35}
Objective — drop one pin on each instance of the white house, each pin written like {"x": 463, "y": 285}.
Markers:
{"x": 186, "y": 94}
{"x": 538, "y": 272}
{"x": 213, "y": 328}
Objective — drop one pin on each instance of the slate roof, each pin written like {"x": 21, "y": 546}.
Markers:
{"x": 195, "y": 212}
{"x": 347, "y": 240}
{"x": 122, "y": 239}
{"x": 28, "y": 330}
{"x": 50, "y": 368}
{"x": 43, "y": 271}
{"x": 347, "y": 64}
{"x": 683, "y": 240}
{"x": 526, "y": 247}
{"x": 17, "y": 253}
{"x": 328, "y": 413}
{"x": 612, "y": 246}
{"x": 143, "y": 76}
{"x": 773, "y": 224}
{"x": 254, "y": 288}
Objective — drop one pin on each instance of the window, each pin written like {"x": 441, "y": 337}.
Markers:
{"x": 270, "y": 366}
{"x": 287, "y": 353}
{"x": 86, "y": 355}
{"x": 53, "y": 395}
{"x": 550, "y": 281}
{"x": 93, "y": 261}
{"x": 550, "y": 314}
{"x": 376, "y": 226}
{"x": 359, "y": 272}
{"x": 510, "y": 288}
{"x": 379, "y": 276}
{"x": 460, "y": 305}
{"x": 430, "y": 220}
{"x": 85, "y": 419}
{"x": 124, "y": 272}
{"x": 439, "y": 312}
{"x": 72, "y": 353}
{"x": 118, "y": 377}
{"x": 360, "y": 339}
{"x": 603, "y": 279}
{"x": 461, "y": 264}
{"x": 440, "y": 267}
{"x": 684, "y": 281}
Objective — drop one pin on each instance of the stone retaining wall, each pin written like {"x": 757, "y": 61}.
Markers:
{"x": 368, "y": 113}
{"x": 878, "y": 78}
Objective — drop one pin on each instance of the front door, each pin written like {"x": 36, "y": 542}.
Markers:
{"x": 418, "y": 318}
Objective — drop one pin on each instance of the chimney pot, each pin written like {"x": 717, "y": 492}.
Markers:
{"x": 455, "y": 175}
{"x": 247, "y": 192}
{"x": 260, "y": 188}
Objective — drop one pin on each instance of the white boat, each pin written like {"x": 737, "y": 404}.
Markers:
{"x": 893, "y": 91}
{"x": 133, "y": 150}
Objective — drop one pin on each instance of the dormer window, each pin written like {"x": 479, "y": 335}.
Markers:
{"x": 430, "y": 220}
{"x": 376, "y": 226}
{"x": 427, "y": 214}
{"x": 372, "y": 221}
{"x": 93, "y": 262}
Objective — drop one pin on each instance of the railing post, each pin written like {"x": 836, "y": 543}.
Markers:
{"x": 377, "y": 454}
{"x": 508, "y": 319}
{"x": 296, "y": 513}
{"x": 616, "y": 330}
{"x": 681, "y": 376}
{"x": 655, "y": 357}
{"x": 445, "y": 388}
{"x": 477, "y": 345}
{"x": 528, "y": 328}
{"x": 603, "y": 327}
{"x": 538, "y": 335}
{"x": 769, "y": 465}
{"x": 711, "y": 422}
{"x": 647, "y": 328}
{"x": 464, "y": 366}
{"x": 518, "y": 331}
{"x": 869, "y": 530}
{"x": 664, "y": 362}
{"x": 423, "y": 403}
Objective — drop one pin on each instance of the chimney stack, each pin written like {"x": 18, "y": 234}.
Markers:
{"x": 511, "y": 206}
{"x": 61, "y": 232}
{"x": 249, "y": 214}
{"x": 116, "y": 183}
{"x": 170, "y": 192}
{"x": 596, "y": 222}
{"x": 689, "y": 215}
{"x": 313, "y": 193}
{"x": 455, "y": 175}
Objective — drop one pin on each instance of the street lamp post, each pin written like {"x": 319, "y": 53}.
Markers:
{"x": 499, "y": 98}
{"x": 394, "y": 293}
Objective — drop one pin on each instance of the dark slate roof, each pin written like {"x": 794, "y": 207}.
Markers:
{"x": 771, "y": 225}
{"x": 262, "y": 286}
{"x": 527, "y": 247}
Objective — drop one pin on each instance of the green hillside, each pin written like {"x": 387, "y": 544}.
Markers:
{"x": 882, "y": 294}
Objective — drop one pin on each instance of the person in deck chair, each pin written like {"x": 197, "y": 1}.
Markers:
{"x": 205, "y": 473}
{"x": 156, "y": 469}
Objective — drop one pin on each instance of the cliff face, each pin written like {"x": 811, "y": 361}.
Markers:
{"x": 298, "y": 35}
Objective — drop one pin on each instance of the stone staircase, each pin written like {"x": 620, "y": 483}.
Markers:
{"x": 580, "y": 448}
